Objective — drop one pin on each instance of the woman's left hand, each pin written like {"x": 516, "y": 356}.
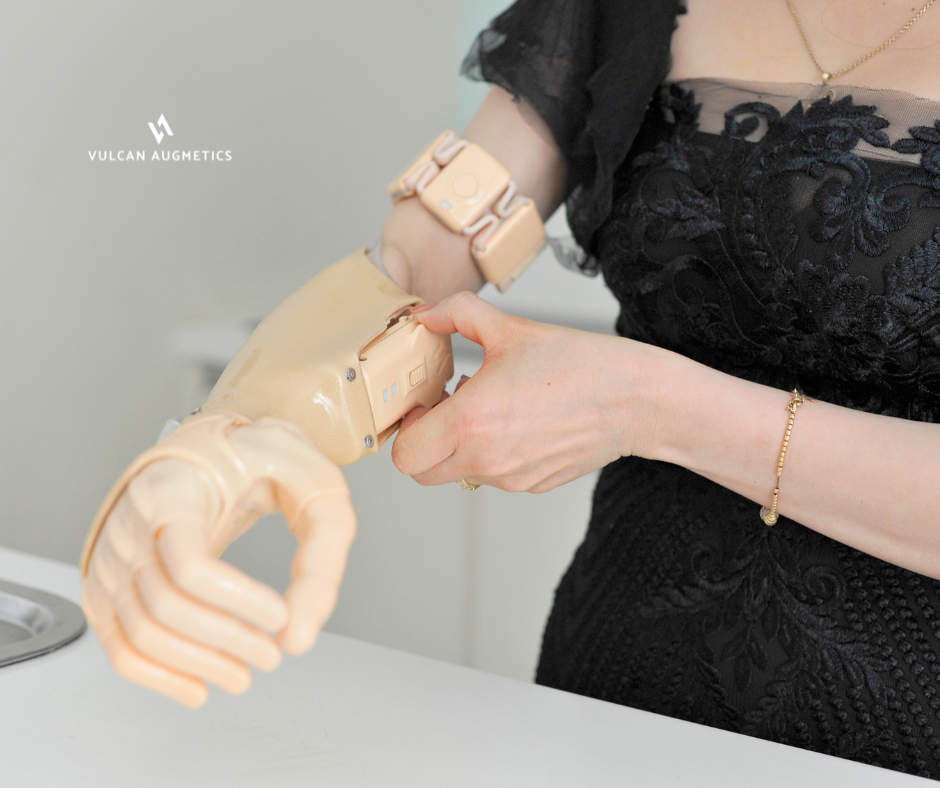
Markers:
{"x": 548, "y": 405}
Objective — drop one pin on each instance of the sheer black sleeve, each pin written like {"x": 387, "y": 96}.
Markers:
{"x": 589, "y": 68}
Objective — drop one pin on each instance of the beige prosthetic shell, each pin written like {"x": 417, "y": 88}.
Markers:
{"x": 210, "y": 456}
{"x": 294, "y": 366}
{"x": 302, "y": 365}
{"x": 171, "y": 615}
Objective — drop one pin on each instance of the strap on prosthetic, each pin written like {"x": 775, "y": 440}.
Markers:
{"x": 470, "y": 192}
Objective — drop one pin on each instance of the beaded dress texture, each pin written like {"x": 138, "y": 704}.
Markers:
{"x": 789, "y": 236}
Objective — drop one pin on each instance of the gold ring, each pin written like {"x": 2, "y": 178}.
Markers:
{"x": 466, "y": 485}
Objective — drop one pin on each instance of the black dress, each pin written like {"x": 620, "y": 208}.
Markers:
{"x": 783, "y": 235}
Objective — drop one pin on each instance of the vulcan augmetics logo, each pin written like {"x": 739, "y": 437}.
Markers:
{"x": 160, "y": 155}
{"x": 158, "y": 135}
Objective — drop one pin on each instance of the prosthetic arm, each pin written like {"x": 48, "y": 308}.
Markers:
{"x": 324, "y": 380}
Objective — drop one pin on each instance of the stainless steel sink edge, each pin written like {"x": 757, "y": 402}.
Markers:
{"x": 50, "y": 621}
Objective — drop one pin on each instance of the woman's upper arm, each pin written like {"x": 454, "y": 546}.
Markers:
{"x": 430, "y": 261}
{"x": 516, "y": 135}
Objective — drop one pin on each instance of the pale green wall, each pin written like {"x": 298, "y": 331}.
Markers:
{"x": 472, "y": 17}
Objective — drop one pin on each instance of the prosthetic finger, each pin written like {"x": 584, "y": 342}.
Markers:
{"x": 127, "y": 662}
{"x": 155, "y": 641}
{"x": 108, "y": 566}
{"x": 274, "y": 451}
{"x": 126, "y": 535}
{"x": 180, "y": 612}
{"x": 315, "y": 498}
{"x": 165, "y": 647}
{"x": 185, "y": 554}
{"x": 156, "y": 487}
{"x": 127, "y": 542}
{"x": 170, "y": 490}
{"x": 325, "y": 530}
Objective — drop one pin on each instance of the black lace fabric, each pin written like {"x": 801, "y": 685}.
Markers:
{"x": 786, "y": 240}
{"x": 790, "y": 237}
{"x": 588, "y": 68}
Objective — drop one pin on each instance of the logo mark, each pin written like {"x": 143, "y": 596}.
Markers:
{"x": 158, "y": 135}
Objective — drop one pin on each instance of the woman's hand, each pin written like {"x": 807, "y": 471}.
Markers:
{"x": 548, "y": 405}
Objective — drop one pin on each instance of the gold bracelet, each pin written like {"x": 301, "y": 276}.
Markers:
{"x": 769, "y": 516}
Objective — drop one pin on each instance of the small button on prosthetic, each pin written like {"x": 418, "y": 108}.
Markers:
{"x": 417, "y": 376}
{"x": 465, "y": 185}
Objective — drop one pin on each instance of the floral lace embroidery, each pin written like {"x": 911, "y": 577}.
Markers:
{"x": 790, "y": 260}
{"x": 763, "y": 290}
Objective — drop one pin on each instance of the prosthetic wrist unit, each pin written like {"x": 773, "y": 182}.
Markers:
{"x": 342, "y": 358}
{"x": 471, "y": 193}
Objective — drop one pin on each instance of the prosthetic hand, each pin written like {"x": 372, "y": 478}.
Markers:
{"x": 170, "y": 614}
{"x": 323, "y": 381}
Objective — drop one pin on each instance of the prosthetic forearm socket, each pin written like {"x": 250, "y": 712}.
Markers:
{"x": 342, "y": 358}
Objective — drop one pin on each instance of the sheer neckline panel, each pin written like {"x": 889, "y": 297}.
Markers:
{"x": 902, "y": 110}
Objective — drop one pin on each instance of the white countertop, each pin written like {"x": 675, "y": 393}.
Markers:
{"x": 354, "y": 714}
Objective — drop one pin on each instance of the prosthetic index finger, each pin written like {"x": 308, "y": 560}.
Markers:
{"x": 209, "y": 625}
{"x": 185, "y": 554}
{"x": 130, "y": 664}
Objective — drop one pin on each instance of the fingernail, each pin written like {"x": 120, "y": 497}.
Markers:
{"x": 423, "y": 307}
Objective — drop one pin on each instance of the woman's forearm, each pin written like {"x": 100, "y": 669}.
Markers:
{"x": 869, "y": 481}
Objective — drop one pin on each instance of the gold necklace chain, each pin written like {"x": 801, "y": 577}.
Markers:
{"x": 827, "y": 75}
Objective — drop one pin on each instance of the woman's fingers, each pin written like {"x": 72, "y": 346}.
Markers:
{"x": 325, "y": 530}
{"x": 412, "y": 416}
{"x": 427, "y": 440}
{"x": 416, "y": 413}
{"x": 470, "y": 316}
